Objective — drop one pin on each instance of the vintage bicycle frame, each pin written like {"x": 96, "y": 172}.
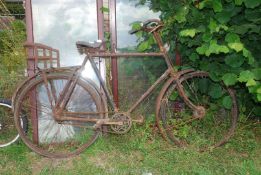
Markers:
{"x": 68, "y": 89}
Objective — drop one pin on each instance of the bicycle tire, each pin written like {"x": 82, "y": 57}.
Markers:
{"x": 174, "y": 116}
{"x": 58, "y": 139}
{"x": 8, "y": 132}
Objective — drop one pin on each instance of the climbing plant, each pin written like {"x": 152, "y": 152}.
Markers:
{"x": 219, "y": 36}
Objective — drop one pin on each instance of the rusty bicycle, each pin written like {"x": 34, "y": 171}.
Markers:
{"x": 67, "y": 112}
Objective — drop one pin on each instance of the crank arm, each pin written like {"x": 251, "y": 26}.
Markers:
{"x": 140, "y": 120}
{"x": 106, "y": 122}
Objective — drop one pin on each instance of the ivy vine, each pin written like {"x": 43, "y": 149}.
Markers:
{"x": 218, "y": 36}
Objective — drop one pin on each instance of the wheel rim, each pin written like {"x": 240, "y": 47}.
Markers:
{"x": 8, "y": 132}
{"x": 216, "y": 126}
{"x": 51, "y": 138}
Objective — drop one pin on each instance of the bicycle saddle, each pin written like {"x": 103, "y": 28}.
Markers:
{"x": 90, "y": 47}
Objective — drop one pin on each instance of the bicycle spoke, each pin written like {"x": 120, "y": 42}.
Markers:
{"x": 59, "y": 138}
{"x": 209, "y": 125}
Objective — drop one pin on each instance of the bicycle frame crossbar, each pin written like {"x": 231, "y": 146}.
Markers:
{"x": 136, "y": 54}
{"x": 63, "y": 98}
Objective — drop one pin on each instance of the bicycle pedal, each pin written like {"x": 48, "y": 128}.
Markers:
{"x": 140, "y": 120}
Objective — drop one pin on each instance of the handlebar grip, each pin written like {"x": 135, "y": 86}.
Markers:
{"x": 134, "y": 31}
{"x": 155, "y": 21}
{"x": 147, "y": 25}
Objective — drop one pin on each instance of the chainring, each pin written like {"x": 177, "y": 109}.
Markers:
{"x": 127, "y": 123}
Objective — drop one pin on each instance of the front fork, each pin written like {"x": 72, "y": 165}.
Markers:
{"x": 198, "y": 111}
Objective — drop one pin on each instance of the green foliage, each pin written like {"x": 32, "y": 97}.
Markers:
{"x": 16, "y": 8}
{"x": 104, "y": 9}
{"x": 11, "y": 44}
{"x": 12, "y": 57}
{"x": 188, "y": 32}
{"x": 227, "y": 102}
{"x": 229, "y": 79}
{"x": 218, "y": 36}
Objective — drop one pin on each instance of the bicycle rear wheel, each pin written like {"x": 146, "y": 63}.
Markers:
{"x": 180, "y": 122}
{"x": 8, "y": 132}
{"x": 52, "y": 138}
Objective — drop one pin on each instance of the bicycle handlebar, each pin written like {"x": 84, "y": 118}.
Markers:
{"x": 147, "y": 26}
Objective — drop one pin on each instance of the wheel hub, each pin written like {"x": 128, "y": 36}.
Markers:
{"x": 199, "y": 112}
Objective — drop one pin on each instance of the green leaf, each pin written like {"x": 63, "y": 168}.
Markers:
{"x": 236, "y": 46}
{"x": 223, "y": 17}
{"x": 203, "y": 84}
{"x": 214, "y": 76}
{"x": 151, "y": 40}
{"x": 252, "y": 89}
{"x": 234, "y": 42}
{"x": 143, "y": 46}
{"x": 202, "y": 4}
{"x": 174, "y": 96}
{"x": 201, "y": 28}
{"x": 104, "y": 9}
{"x": 253, "y": 15}
{"x": 222, "y": 49}
{"x": 258, "y": 90}
{"x": 136, "y": 25}
{"x": 215, "y": 48}
{"x": 181, "y": 14}
{"x": 188, "y": 32}
{"x": 232, "y": 38}
{"x": 238, "y": 2}
{"x": 259, "y": 97}
{"x": 234, "y": 60}
{"x": 227, "y": 102}
{"x": 257, "y": 73}
{"x": 217, "y": 5}
{"x": 251, "y": 82}
{"x": 212, "y": 47}
{"x": 194, "y": 57}
{"x": 215, "y": 91}
{"x": 202, "y": 49}
{"x": 242, "y": 29}
{"x": 245, "y": 76}
{"x": 248, "y": 55}
{"x": 229, "y": 79}
{"x": 207, "y": 37}
{"x": 252, "y": 3}
{"x": 212, "y": 25}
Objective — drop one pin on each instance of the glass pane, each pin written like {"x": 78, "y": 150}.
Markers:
{"x": 54, "y": 63}
{"x": 133, "y": 78}
{"x": 127, "y": 13}
{"x": 41, "y": 64}
{"x": 60, "y": 23}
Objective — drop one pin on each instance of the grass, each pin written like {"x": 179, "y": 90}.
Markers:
{"x": 144, "y": 152}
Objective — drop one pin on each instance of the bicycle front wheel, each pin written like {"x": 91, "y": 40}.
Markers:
{"x": 210, "y": 126}
{"x": 48, "y": 136}
{"x": 8, "y": 132}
